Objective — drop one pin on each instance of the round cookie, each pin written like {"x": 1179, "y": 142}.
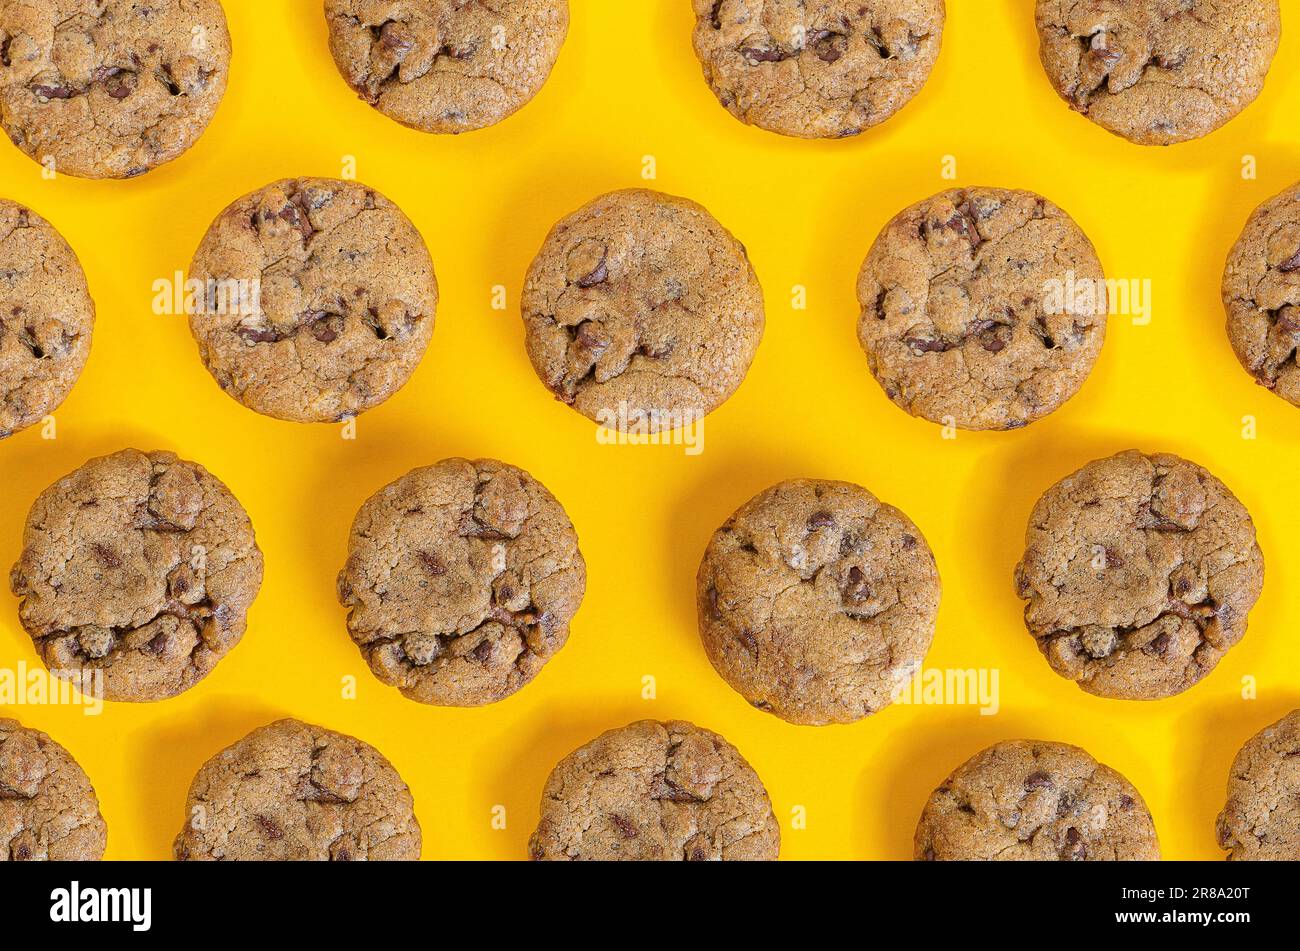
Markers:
{"x": 1261, "y": 291}
{"x": 110, "y": 88}
{"x": 982, "y": 308}
{"x": 136, "y": 574}
{"x": 319, "y": 299}
{"x": 821, "y": 69}
{"x": 641, "y": 307}
{"x": 1139, "y": 571}
{"x": 655, "y": 791}
{"x": 1158, "y": 71}
{"x": 817, "y": 602}
{"x": 1029, "y": 800}
{"x": 1261, "y": 821}
{"x": 46, "y": 318}
{"x": 48, "y": 809}
{"x": 461, "y": 580}
{"x": 447, "y": 65}
{"x": 290, "y": 791}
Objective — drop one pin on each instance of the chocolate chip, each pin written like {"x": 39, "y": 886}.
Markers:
{"x": 592, "y": 336}
{"x": 482, "y": 652}
{"x": 921, "y": 345}
{"x": 1160, "y": 645}
{"x": 431, "y": 563}
{"x": 625, "y": 826}
{"x": 53, "y": 92}
{"x": 252, "y": 335}
{"x": 856, "y": 590}
{"x": 1290, "y": 264}
{"x": 820, "y": 520}
{"x": 1113, "y": 560}
{"x": 269, "y": 828}
{"x": 1076, "y": 850}
{"x": 1126, "y": 803}
{"x": 157, "y": 644}
{"x": 1038, "y": 780}
{"x": 106, "y": 556}
{"x": 756, "y": 55}
{"x": 598, "y": 275}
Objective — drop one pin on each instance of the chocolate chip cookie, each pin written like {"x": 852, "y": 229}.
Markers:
{"x": 1139, "y": 571}
{"x": 447, "y": 65}
{"x": 1158, "y": 71}
{"x": 640, "y": 306}
{"x": 1029, "y": 800}
{"x": 319, "y": 299}
{"x": 290, "y": 791}
{"x": 48, "y": 809}
{"x": 46, "y": 318}
{"x": 982, "y": 308}
{"x": 817, "y": 602}
{"x": 821, "y": 69}
{"x": 655, "y": 792}
{"x": 1261, "y": 291}
{"x": 138, "y": 566}
{"x": 461, "y": 580}
{"x": 1262, "y": 818}
{"x": 110, "y": 88}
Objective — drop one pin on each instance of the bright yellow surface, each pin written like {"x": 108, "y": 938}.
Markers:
{"x": 627, "y": 85}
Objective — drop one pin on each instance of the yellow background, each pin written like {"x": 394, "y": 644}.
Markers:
{"x": 627, "y": 85}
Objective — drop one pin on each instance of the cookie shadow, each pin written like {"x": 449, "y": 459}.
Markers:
{"x": 1209, "y": 738}
{"x": 173, "y": 750}
{"x": 717, "y": 489}
{"x": 527, "y": 760}
{"x": 926, "y": 754}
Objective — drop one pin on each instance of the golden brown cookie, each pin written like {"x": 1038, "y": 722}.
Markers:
{"x": 140, "y": 568}
{"x": 319, "y": 299}
{"x": 1139, "y": 571}
{"x": 461, "y": 580}
{"x": 1029, "y": 800}
{"x": 641, "y": 306}
{"x": 290, "y": 791}
{"x": 1261, "y": 820}
{"x": 982, "y": 308}
{"x": 1158, "y": 71}
{"x": 817, "y": 602}
{"x": 48, "y": 809}
{"x": 1261, "y": 291}
{"x": 110, "y": 88}
{"x": 655, "y": 791}
{"x": 46, "y": 318}
{"x": 817, "y": 68}
{"x": 446, "y": 65}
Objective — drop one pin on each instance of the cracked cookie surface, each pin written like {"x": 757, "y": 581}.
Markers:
{"x": 138, "y": 566}
{"x": 1158, "y": 71}
{"x": 319, "y": 299}
{"x": 110, "y": 88}
{"x": 643, "y": 301}
{"x": 1261, "y": 821}
{"x": 290, "y": 791}
{"x": 654, "y": 791}
{"x": 817, "y": 68}
{"x": 817, "y": 602}
{"x": 1261, "y": 291}
{"x": 1029, "y": 800}
{"x": 446, "y": 65}
{"x": 983, "y": 308}
{"x": 461, "y": 580}
{"x": 1139, "y": 571}
{"x": 48, "y": 809}
{"x": 46, "y": 318}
